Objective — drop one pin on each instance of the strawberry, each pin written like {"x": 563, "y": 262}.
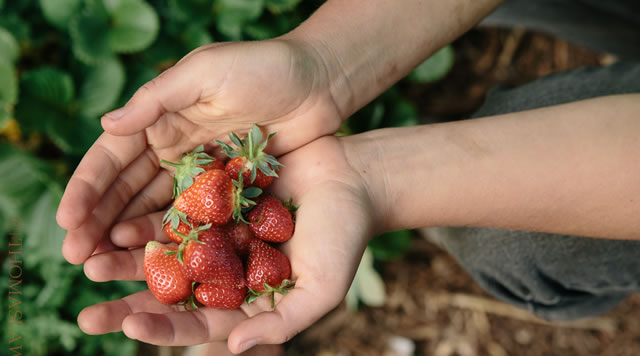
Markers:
{"x": 207, "y": 256}
{"x": 267, "y": 271}
{"x": 164, "y": 275}
{"x": 242, "y": 165}
{"x": 271, "y": 220}
{"x": 249, "y": 159}
{"x": 176, "y": 222}
{"x": 220, "y": 296}
{"x": 240, "y": 235}
{"x": 190, "y": 166}
{"x": 213, "y": 198}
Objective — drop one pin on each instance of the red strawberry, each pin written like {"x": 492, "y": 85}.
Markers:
{"x": 240, "y": 235}
{"x": 221, "y": 297}
{"x": 190, "y": 166}
{"x": 177, "y": 222}
{"x": 163, "y": 274}
{"x": 271, "y": 220}
{"x": 257, "y": 167}
{"x": 242, "y": 164}
{"x": 214, "y": 198}
{"x": 216, "y": 164}
{"x": 211, "y": 258}
{"x": 267, "y": 271}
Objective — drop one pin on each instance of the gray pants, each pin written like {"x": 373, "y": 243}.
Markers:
{"x": 559, "y": 277}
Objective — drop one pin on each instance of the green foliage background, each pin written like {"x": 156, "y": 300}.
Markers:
{"x": 63, "y": 63}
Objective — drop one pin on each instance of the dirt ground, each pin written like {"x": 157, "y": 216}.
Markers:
{"x": 433, "y": 305}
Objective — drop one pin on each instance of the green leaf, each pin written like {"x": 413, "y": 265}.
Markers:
{"x": 75, "y": 134}
{"x": 134, "y": 26}
{"x": 391, "y": 245}
{"x": 138, "y": 75}
{"x": 196, "y": 36}
{"x": 45, "y": 96}
{"x": 404, "y": 113}
{"x": 88, "y": 36}
{"x": 24, "y": 180}
{"x": 278, "y": 6}
{"x": 8, "y": 91}
{"x": 9, "y": 49}
{"x": 232, "y": 15}
{"x": 101, "y": 89}
{"x": 193, "y": 12}
{"x": 367, "y": 285}
{"x": 60, "y": 12}
{"x": 435, "y": 67}
{"x": 42, "y": 233}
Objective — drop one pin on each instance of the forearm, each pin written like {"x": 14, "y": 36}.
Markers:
{"x": 566, "y": 169}
{"x": 368, "y": 45}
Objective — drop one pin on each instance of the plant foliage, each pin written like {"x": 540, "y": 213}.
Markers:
{"x": 63, "y": 63}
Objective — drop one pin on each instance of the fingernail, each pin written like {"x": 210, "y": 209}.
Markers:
{"x": 116, "y": 114}
{"x": 247, "y": 345}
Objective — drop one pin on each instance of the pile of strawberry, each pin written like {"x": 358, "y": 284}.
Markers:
{"x": 222, "y": 226}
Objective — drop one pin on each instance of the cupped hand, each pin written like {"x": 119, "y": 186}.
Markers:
{"x": 282, "y": 85}
{"x": 333, "y": 223}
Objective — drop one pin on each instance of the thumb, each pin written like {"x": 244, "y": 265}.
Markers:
{"x": 296, "y": 311}
{"x": 173, "y": 90}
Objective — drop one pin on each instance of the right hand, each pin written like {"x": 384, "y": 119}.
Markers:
{"x": 283, "y": 85}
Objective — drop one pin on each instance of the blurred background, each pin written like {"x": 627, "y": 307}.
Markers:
{"x": 63, "y": 63}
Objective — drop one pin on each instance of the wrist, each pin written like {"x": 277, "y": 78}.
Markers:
{"x": 328, "y": 64}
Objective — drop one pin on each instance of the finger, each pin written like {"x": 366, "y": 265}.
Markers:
{"x": 138, "y": 231}
{"x": 153, "y": 197}
{"x": 285, "y": 321}
{"x": 82, "y": 241}
{"x": 104, "y": 245}
{"x": 173, "y": 90}
{"x": 126, "y": 265}
{"x": 108, "y": 316}
{"x": 219, "y": 348}
{"x": 182, "y": 328}
{"x": 104, "y": 161}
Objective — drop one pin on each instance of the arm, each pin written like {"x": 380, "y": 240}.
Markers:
{"x": 569, "y": 169}
{"x": 367, "y": 45}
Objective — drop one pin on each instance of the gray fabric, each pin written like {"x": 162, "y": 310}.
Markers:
{"x": 557, "y": 277}
{"x": 603, "y": 25}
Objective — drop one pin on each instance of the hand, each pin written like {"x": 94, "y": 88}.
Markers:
{"x": 333, "y": 224}
{"x": 280, "y": 84}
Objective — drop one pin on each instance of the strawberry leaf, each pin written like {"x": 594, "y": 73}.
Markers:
{"x": 8, "y": 91}
{"x": 134, "y": 26}
{"x": 9, "y": 49}
{"x": 59, "y": 12}
{"x": 102, "y": 87}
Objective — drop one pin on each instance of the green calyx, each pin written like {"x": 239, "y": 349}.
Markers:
{"x": 243, "y": 198}
{"x": 283, "y": 289}
{"x": 252, "y": 149}
{"x": 190, "y": 165}
{"x": 191, "y": 236}
{"x": 174, "y": 216}
{"x": 190, "y": 303}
